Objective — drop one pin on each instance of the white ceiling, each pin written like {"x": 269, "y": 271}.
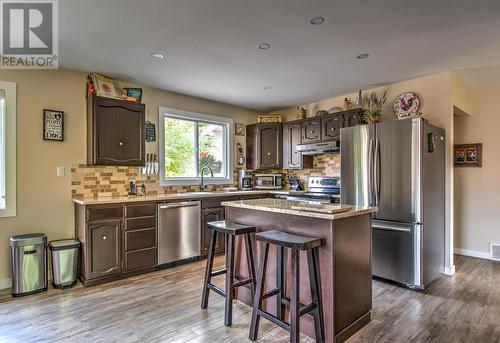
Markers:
{"x": 211, "y": 45}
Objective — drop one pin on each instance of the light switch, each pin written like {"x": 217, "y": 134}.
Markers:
{"x": 60, "y": 171}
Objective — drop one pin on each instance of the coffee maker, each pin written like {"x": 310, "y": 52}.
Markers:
{"x": 245, "y": 180}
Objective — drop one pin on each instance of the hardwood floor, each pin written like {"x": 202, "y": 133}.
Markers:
{"x": 165, "y": 307}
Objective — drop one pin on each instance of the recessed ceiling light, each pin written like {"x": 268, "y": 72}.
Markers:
{"x": 362, "y": 56}
{"x": 268, "y": 88}
{"x": 264, "y": 46}
{"x": 317, "y": 20}
{"x": 157, "y": 55}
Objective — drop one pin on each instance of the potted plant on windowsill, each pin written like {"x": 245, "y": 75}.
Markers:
{"x": 372, "y": 109}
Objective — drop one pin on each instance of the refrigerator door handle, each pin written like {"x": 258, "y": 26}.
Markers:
{"x": 376, "y": 172}
{"x": 371, "y": 200}
{"x": 391, "y": 228}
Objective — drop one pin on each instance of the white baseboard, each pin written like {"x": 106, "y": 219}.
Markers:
{"x": 5, "y": 283}
{"x": 472, "y": 253}
{"x": 449, "y": 270}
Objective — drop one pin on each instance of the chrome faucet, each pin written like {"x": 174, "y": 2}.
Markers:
{"x": 202, "y": 184}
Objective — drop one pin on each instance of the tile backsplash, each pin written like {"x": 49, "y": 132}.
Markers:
{"x": 91, "y": 182}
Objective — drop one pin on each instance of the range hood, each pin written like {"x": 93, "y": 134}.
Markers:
{"x": 319, "y": 148}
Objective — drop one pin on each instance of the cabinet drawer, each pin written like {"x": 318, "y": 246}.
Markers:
{"x": 99, "y": 213}
{"x": 140, "y": 239}
{"x": 140, "y": 259}
{"x": 142, "y": 210}
{"x": 140, "y": 223}
{"x": 215, "y": 202}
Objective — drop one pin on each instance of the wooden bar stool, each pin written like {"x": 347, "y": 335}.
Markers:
{"x": 296, "y": 243}
{"x": 231, "y": 230}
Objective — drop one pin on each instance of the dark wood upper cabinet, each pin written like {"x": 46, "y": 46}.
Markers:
{"x": 293, "y": 159}
{"x": 264, "y": 146}
{"x": 331, "y": 126}
{"x": 353, "y": 117}
{"x": 311, "y": 130}
{"x": 105, "y": 248}
{"x": 115, "y": 132}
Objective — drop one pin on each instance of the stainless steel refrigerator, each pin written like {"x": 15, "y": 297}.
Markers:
{"x": 399, "y": 166}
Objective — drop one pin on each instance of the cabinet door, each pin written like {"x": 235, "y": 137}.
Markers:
{"x": 331, "y": 126}
{"x": 311, "y": 131}
{"x": 210, "y": 215}
{"x": 353, "y": 118}
{"x": 105, "y": 249}
{"x": 292, "y": 133}
{"x": 270, "y": 145}
{"x": 118, "y": 132}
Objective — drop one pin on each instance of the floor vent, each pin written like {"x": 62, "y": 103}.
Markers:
{"x": 495, "y": 251}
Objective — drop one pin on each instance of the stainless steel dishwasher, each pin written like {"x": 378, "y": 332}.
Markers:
{"x": 178, "y": 232}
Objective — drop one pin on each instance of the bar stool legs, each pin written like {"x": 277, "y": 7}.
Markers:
{"x": 315, "y": 281}
{"x": 208, "y": 270}
{"x": 315, "y": 308}
{"x": 259, "y": 293}
{"x": 231, "y": 230}
{"x": 228, "y": 309}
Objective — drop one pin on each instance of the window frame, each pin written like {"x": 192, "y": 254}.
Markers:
{"x": 9, "y": 89}
{"x": 227, "y": 123}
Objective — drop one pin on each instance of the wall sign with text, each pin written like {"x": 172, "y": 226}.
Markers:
{"x": 53, "y": 125}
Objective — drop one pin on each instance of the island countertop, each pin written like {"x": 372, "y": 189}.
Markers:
{"x": 304, "y": 209}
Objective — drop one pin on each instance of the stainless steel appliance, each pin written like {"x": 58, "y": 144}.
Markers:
{"x": 64, "y": 255}
{"x": 399, "y": 166}
{"x": 245, "y": 180}
{"x": 29, "y": 263}
{"x": 324, "y": 190}
{"x": 178, "y": 232}
{"x": 268, "y": 181}
{"x": 319, "y": 148}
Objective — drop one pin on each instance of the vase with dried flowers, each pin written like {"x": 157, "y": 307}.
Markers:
{"x": 372, "y": 109}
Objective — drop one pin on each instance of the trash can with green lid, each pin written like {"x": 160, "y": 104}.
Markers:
{"x": 29, "y": 263}
{"x": 64, "y": 262}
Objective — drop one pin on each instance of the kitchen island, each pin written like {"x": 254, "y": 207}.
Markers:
{"x": 344, "y": 258}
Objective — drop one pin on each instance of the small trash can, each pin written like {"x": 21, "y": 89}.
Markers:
{"x": 29, "y": 263}
{"x": 64, "y": 262}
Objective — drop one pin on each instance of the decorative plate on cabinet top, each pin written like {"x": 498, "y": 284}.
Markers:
{"x": 334, "y": 110}
{"x": 406, "y": 104}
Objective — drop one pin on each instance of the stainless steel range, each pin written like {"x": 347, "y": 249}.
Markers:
{"x": 320, "y": 189}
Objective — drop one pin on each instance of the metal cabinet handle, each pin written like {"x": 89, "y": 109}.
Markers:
{"x": 268, "y": 154}
{"x": 104, "y": 238}
{"x": 121, "y": 143}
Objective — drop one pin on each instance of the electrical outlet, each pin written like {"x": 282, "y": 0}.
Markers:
{"x": 60, "y": 171}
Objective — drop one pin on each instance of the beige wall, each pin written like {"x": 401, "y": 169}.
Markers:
{"x": 477, "y": 189}
{"x": 44, "y": 200}
{"x": 435, "y": 92}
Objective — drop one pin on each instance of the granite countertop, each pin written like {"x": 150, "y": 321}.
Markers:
{"x": 314, "y": 210}
{"x": 167, "y": 197}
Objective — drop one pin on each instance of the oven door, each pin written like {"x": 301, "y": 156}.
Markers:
{"x": 396, "y": 249}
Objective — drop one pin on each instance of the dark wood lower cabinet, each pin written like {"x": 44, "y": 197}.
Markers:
{"x": 105, "y": 249}
{"x": 210, "y": 215}
{"x": 118, "y": 240}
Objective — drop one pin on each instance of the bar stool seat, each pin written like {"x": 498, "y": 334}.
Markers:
{"x": 231, "y": 230}
{"x": 289, "y": 240}
{"x": 296, "y": 243}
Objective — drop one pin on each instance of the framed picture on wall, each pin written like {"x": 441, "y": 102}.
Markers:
{"x": 239, "y": 129}
{"x": 53, "y": 125}
{"x": 468, "y": 155}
